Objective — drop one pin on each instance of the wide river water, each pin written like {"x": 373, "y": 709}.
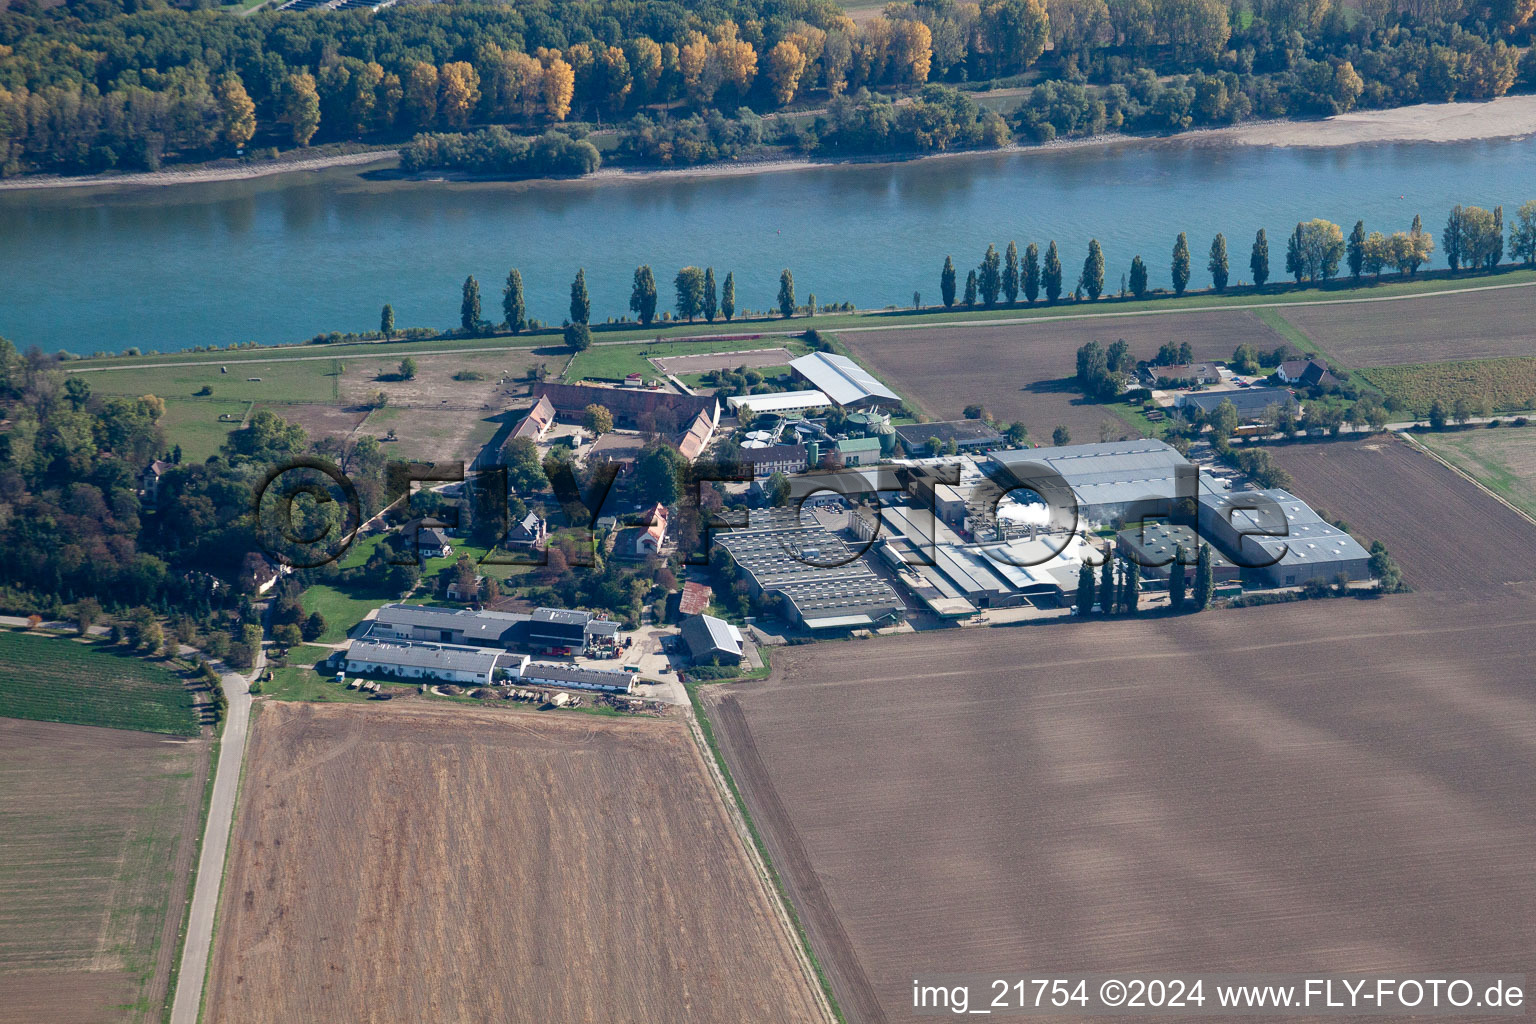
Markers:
{"x": 281, "y": 258}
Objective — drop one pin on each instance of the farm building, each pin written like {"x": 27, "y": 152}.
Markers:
{"x": 823, "y": 586}
{"x": 572, "y": 677}
{"x": 665, "y": 412}
{"x": 695, "y": 598}
{"x": 696, "y": 438}
{"x": 967, "y": 435}
{"x": 1278, "y": 538}
{"x": 537, "y": 422}
{"x": 1252, "y": 404}
{"x": 844, "y": 381}
{"x": 785, "y": 403}
{"x": 650, "y": 539}
{"x": 1109, "y": 477}
{"x": 711, "y": 641}
{"x": 446, "y": 663}
{"x": 1185, "y": 373}
{"x": 859, "y": 451}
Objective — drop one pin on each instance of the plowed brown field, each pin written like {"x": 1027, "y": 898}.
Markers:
{"x": 1445, "y": 533}
{"x": 1427, "y": 329}
{"x": 1022, "y": 371}
{"x": 1323, "y": 786}
{"x": 460, "y": 864}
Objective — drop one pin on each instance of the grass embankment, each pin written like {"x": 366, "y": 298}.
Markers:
{"x": 60, "y": 679}
{"x": 615, "y": 361}
{"x": 1283, "y": 294}
{"x": 1508, "y": 384}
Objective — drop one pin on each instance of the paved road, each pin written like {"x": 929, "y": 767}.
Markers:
{"x": 210, "y": 863}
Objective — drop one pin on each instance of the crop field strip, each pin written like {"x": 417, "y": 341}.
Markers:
{"x": 97, "y": 830}
{"x": 1211, "y": 792}
{"x": 1427, "y": 329}
{"x": 59, "y": 679}
{"x": 415, "y": 863}
{"x": 1504, "y": 461}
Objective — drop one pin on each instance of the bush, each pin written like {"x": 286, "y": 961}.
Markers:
{"x": 578, "y": 337}
{"x": 498, "y": 151}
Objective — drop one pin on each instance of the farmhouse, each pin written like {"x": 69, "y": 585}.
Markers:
{"x": 966, "y": 435}
{"x": 1306, "y": 373}
{"x": 1109, "y": 477}
{"x": 711, "y": 641}
{"x": 528, "y": 532}
{"x": 665, "y": 412}
{"x": 808, "y": 573}
{"x": 785, "y": 403}
{"x": 1278, "y": 538}
{"x": 697, "y": 437}
{"x": 844, "y": 381}
{"x": 447, "y": 663}
{"x": 1188, "y": 374}
{"x": 432, "y": 542}
{"x": 149, "y": 479}
{"x": 654, "y": 535}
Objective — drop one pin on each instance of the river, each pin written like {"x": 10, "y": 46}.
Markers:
{"x": 280, "y": 258}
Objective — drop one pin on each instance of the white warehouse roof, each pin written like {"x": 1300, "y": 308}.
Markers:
{"x": 431, "y": 657}
{"x": 784, "y": 401}
{"x": 840, "y": 378}
{"x": 1110, "y": 472}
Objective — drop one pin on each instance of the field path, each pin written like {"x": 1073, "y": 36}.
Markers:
{"x": 210, "y": 864}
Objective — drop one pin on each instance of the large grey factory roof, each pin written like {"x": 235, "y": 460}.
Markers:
{"x": 1109, "y": 472}
{"x": 411, "y": 654}
{"x": 840, "y": 378}
{"x": 812, "y": 568}
{"x": 1307, "y": 537}
{"x": 1250, "y": 403}
{"x": 557, "y": 673}
{"x": 482, "y": 625}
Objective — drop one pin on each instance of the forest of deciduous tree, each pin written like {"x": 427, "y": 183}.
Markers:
{"x": 133, "y": 83}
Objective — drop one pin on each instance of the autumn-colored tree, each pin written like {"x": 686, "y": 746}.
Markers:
{"x": 693, "y": 60}
{"x": 736, "y": 56}
{"x": 458, "y": 86}
{"x": 421, "y": 95}
{"x": 301, "y": 107}
{"x": 239, "y": 113}
{"x": 559, "y": 86}
{"x": 911, "y": 51}
{"x": 613, "y": 79}
{"x": 786, "y": 63}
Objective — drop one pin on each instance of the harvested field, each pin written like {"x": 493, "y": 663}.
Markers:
{"x": 320, "y": 421}
{"x": 467, "y": 864}
{"x": 702, "y": 361}
{"x": 1444, "y": 532}
{"x": 97, "y": 830}
{"x": 1427, "y": 329}
{"x": 1024, "y": 371}
{"x": 1326, "y": 786}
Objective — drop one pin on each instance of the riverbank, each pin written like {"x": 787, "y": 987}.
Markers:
{"x": 1504, "y": 118}
{"x": 202, "y": 174}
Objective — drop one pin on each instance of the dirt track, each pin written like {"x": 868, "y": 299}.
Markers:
{"x": 459, "y": 864}
{"x": 1340, "y": 785}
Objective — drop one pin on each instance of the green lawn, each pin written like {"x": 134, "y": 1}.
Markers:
{"x": 299, "y": 680}
{"x": 616, "y": 361}
{"x": 280, "y": 380}
{"x": 60, "y": 679}
{"x": 195, "y": 425}
{"x": 342, "y": 607}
